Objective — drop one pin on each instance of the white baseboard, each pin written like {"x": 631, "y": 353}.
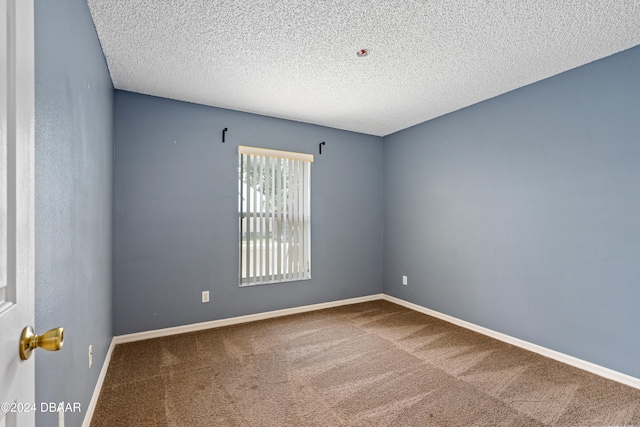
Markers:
{"x": 138, "y": 336}
{"x": 561, "y": 357}
{"x": 88, "y": 415}
{"x": 552, "y": 354}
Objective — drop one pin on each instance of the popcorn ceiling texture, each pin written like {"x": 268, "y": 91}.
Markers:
{"x": 297, "y": 59}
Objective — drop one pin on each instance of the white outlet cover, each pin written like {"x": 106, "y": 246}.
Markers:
{"x": 90, "y": 355}
{"x": 404, "y": 280}
{"x": 205, "y": 296}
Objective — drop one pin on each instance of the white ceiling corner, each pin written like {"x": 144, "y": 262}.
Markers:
{"x": 296, "y": 59}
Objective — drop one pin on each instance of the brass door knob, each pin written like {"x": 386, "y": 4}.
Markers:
{"x": 51, "y": 340}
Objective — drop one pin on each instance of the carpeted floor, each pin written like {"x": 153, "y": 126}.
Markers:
{"x": 369, "y": 364}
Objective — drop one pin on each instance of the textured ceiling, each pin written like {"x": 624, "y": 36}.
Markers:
{"x": 296, "y": 59}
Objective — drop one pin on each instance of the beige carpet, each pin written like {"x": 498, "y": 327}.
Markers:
{"x": 370, "y": 364}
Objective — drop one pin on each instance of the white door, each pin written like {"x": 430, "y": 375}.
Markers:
{"x": 17, "y": 377}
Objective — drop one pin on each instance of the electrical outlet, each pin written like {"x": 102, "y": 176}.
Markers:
{"x": 404, "y": 280}
{"x": 90, "y": 355}
{"x": 205, "y": 296}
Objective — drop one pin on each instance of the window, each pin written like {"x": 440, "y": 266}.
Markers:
{"x": 273, "y": 206}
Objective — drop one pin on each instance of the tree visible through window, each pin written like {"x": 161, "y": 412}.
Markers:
{"x": 273, "y": 206}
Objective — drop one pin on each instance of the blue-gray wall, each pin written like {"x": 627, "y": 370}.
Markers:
{"x": 74, "y": 151}
{"x": 176, "y": 218}
{"x": 522, "y": 213}
{"x": 519, "y": 214}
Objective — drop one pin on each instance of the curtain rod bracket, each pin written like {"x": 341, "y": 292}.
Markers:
{"x": 224, "y": 131}
{"x": 320, "y": 146}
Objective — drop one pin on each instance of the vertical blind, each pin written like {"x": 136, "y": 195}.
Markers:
{"x": 274, "y": 211}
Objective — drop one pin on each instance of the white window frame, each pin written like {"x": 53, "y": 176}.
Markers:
{"x": 274, "y": 210}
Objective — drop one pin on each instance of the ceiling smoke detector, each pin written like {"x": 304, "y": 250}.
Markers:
{"x": 363, "y": 52}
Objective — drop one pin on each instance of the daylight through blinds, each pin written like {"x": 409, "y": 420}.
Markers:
{"x": 274, "y": 215}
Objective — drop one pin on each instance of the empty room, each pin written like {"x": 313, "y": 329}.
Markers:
{"x": 383, "y": 213}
